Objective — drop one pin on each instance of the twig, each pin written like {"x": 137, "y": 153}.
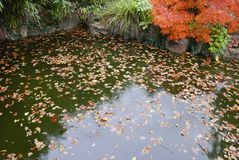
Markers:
{"x": 205, "y": 151}
{"x": 166, "y": 148}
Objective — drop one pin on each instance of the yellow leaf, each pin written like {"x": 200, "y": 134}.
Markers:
{"x": 133, "y": 158}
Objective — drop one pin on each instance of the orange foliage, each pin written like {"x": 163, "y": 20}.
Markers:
{"x": 193, "y": 18}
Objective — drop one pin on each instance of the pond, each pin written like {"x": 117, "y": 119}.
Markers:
{"x": 70, "y": 95}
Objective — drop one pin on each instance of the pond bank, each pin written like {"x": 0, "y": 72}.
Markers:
{"x": 26, "y": 31}
{"x": 150, "y": 36}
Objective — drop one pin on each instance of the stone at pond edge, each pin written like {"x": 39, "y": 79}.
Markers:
{"x": 152, "y": 36}
{"x": 96, "y": 28}
{"x": 68, "y": 22}
{"x": 196, "y": 47}
{"x": 23, "y": 31}
{"x": 13, "y": 34}
{"x": 233, "y": 53}
{"x": 2, "y": 32}
{"x": 178, "y": 46}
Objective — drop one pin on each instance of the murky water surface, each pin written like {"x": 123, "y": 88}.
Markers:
{"x": 135, "y": 125}
{"x": 73, "y": 96}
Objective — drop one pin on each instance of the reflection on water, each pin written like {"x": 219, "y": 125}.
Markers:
{"x": 136, "y": 125}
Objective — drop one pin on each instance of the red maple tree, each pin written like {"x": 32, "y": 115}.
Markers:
{"x": 193, "y": 18}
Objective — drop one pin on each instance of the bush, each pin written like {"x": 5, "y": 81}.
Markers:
{"x": 87, "y": 7}
{"x": 186, "y": 18}
{"x": 61, "y": 8}
{"x": 125, "y": 16}
{"x": 219, "y": 41}
{"x": 13, "y": 13}
{"x": 198, "y": 19}
{"x": 1, "y": 7}
{"x": 145, "y": 8}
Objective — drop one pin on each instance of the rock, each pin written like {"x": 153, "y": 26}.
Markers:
{"x": 27, "y": 31}
{"x": 179, "y": 46}
{"x": 69, "y": 22}
{"x": 133, "y": 33}
{"x": 233, "y": 51}
{"x": 8, "y": 35}
{"x": 235, "y": 36}
{"x": 34, "y": 31}
{"x": 151, "y": 33}
{"x": 13, "y": 35}
{"x": 96, "y": 28}
{"x": 23, "y": 31}
{"x": 37, "y": 31}
{"x": 2, "y": 33}
{"x": 196, "y": 47}
{"x": 152, "y": 36}
{"x": 204, "y": 50}
{"x": 65, "y": 24}
{"x": 91, "y": 18}
{"x": 154, "y": 32}
{"x": 51, "y": 29}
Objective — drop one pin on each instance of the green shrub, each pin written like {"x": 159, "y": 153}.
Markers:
{"x": 1, "y": 7}
{"x": 124, "y": 16}
{"x": 90, "y": 7}
{"x": 61, "y": 8}
{"x": 219, "y": 41}
{"x": 98, "y": 2}
{"x": 31, "y": 11}
{"x": 144, "y": 7}
{"x": 13, "y": 13}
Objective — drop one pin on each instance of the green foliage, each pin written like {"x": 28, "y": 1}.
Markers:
{"x": 1, "y": 7}
{"x": 144, "y": 7}
{"x": 98, "y": 2}
{"x": 119, "y": 16}
{"x": 31, "y": 11}
{"x": 13, "y": 12}
{"x": 125, "y": 16}
{"x": 27, "y": 11}
{"x": 90, "y": 7}
{"x": 12, "y": 22}
{"x": 219, "y": 40}
{"x": 61, "y": 8}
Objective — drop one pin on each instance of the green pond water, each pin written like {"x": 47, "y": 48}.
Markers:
{"x": 70, "y": 95}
